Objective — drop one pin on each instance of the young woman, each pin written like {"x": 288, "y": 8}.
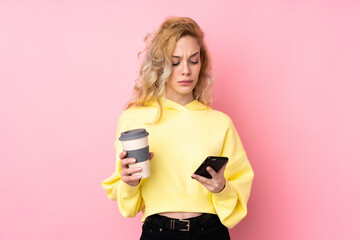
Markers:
{"x": 172, "y": 102}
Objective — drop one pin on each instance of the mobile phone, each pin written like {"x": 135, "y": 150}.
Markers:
{"x": 214, "y": 162}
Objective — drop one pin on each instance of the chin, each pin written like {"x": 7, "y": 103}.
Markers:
{"x": 186, "y": 92}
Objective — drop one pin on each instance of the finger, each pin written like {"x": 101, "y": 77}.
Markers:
{"x": 131, "y": 178}
{"x": 201, "y": 179}
{"x": 211, "y": 171}
{"x": 126, "y": 161}
{"x": 151, "y": 155}
{"x": 206, "y": 182}
{"x": 122, "y": 155}
{"x": 130, "y": 171}
{"x": 222, "y": 169}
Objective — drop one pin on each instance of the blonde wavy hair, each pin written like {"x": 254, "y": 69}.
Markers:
{"x": 156, "y": 66}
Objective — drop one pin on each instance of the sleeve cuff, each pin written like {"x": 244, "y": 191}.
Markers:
{"x": 127, "y": 190}
{"x": 226, "y": 192}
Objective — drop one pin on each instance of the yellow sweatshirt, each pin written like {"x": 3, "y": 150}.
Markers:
{"x": 182, "y": 139}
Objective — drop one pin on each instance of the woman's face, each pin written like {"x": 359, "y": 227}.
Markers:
{"x": 186, "y": 65}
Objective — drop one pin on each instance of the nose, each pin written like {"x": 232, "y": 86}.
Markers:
{"x": 186, "y": 69}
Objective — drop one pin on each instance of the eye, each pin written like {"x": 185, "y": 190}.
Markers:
{"x": 194, "y": 62}
{"x": 175, "y": 64}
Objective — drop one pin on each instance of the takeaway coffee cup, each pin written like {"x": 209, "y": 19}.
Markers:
{"x": 135, "y": 143}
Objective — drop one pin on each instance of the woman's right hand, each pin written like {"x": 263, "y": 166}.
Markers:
{"x": 126, "y": 171}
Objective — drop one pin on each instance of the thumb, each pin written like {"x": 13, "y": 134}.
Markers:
{"x": 151, "y": 155}
{"x": 222, "y": 169}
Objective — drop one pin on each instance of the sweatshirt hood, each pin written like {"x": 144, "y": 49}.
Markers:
{"x": 168, "y": 104}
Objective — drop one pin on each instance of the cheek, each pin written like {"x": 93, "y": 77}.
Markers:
{"x": 197, "y": 69}
{"x": 172, "y": 76}
{"x": 174, "y": 72}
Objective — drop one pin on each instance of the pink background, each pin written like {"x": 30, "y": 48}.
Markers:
{"x": 287, "y": 72}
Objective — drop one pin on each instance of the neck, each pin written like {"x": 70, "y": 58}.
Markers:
{"x": 182, "y": 100}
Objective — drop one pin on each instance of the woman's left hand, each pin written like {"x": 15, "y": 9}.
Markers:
{"x": 215, "y": 184}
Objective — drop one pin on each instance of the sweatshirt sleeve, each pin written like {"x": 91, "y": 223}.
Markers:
{"x": 128, "y": 198}
{"x": 230, "y": 203}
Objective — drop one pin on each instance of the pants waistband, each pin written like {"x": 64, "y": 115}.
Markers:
{"x": 190, "y": 224}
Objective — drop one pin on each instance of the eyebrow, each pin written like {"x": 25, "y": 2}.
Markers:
{"x": 189, "y": 57}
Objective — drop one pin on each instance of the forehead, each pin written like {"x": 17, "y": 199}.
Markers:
{"x": 186, "y": 45}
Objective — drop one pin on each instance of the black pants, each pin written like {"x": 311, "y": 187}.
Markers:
{"x": 211, "y": 229}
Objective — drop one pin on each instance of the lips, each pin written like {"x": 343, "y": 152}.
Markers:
{"x": 185, "y": 82}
